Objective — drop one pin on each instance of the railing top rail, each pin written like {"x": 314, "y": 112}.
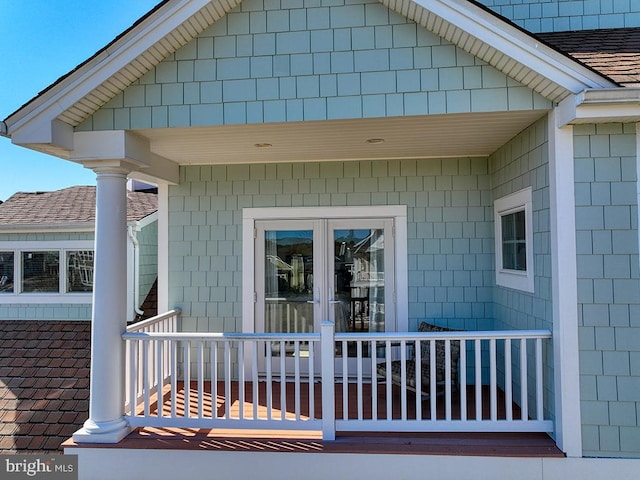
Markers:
{"x": 134, "y": 327}
{"x": 314, "y": 337}
{"x": 222, "y": 337}
{"x": 453, "y": 335}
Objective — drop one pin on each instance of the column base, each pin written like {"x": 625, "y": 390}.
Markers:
{"x": 102, "y": 432}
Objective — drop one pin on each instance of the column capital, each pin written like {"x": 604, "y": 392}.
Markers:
{"x": 113, "y": 167}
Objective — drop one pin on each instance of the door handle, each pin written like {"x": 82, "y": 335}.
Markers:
{"x": 334, "y": 302}
{"x": 313, "y": 301}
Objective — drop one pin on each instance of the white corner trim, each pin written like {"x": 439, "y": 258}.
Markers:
{"x": 163, "y": 247}
{"x": 638, "y": 184}
{"x": 565, "y": 289}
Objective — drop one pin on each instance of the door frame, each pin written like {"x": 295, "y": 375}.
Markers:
{"x": 396, "y": 212}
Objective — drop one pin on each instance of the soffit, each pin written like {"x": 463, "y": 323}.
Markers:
{"x": 459, "y": 135}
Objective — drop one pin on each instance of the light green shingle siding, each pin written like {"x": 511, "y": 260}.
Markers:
{"x": 563, "y": 15}
{"x": 353, "y": 60}
{"x": 608, "y": 288}
{"x": 450, "y": 243}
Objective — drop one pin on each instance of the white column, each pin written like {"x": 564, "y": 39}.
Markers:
{"x": 106, "y": 404}
{"x": 568, "y": 425}
{"x": 638, "y": 182}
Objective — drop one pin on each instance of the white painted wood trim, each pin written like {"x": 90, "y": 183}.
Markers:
{"x": 397, "y": 212}
{"x": 565, "y": 289}
{"x": 163, "y": 247}
{"x": 638, "y": 184}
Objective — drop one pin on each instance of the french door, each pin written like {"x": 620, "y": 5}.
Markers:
{"x": 307, "y": 271}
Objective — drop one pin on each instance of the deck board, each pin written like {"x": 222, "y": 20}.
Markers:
{"x": 253, "y": 440}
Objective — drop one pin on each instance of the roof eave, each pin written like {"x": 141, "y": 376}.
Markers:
{"x": 601, "y": 106}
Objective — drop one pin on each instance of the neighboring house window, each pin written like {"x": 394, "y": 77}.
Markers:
{"x": 6, "y": 272}
{"x": 80, "y": 271}
{"x": 47, "y": 274}
{"x": 514, "y": 241}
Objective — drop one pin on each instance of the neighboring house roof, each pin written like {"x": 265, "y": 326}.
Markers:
{"x": 73, "y": 205}
{"x": 44, "y": 383}
{"x": 614, "y": 52}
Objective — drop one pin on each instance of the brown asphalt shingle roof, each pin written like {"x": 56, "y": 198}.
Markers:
{"x": 614, "y": 52}
{"x": 69, "y": 205}
{"x": 44, "y": 383}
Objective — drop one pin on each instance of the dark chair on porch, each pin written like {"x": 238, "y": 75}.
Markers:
{"x": 425, "y": 360}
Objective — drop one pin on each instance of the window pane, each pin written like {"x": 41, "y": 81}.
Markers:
{"x": 80, "y": 271}
{"x": 6, "y": 272}
{"x": 40, "y": 272}
{"x": 514, "y": 245}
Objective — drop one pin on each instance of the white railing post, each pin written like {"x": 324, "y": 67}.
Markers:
{"x": 327, "y": 348}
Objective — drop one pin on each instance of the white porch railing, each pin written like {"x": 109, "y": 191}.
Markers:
{"x": 240, "y": 380}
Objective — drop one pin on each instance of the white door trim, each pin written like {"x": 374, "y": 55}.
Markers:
{"x": 250, "y": 215}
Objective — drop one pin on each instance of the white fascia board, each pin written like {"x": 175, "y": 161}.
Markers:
{"x": 80, "y": 227}
{"x": 143, "y": 222}
{"x": 45, "y": 108}
{"x": 600, "y": 105}
{"x": 516, "y": 44}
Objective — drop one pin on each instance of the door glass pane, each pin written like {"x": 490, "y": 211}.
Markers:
{"x": 41, "y": 271}
{"x": 289, "y": 284}
{"x": 359, "y": 281}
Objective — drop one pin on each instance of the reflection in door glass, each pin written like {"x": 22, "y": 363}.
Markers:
{"x": 359, "y": 280}
{"x": 289, "y": 285}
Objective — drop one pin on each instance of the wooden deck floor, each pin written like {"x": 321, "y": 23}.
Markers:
{"x": 469, "y": 444}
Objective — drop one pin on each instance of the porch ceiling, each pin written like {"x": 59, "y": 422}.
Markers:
{"x": 463, "y": 135}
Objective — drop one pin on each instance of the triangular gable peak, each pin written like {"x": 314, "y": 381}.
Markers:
{"x": 173, "y": 24}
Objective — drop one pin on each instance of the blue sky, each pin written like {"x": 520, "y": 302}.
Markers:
{"x": 41, "y": 41}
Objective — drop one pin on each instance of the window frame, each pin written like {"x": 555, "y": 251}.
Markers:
{"x": 18, "y": 296}
{"x": 519, "y": 201}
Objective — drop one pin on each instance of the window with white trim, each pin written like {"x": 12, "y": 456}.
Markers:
{"x": 514, "y": 241}
{"x": 40, "y": 272}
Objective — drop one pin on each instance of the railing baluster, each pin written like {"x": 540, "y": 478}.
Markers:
{"x": 312, "y": 414}
{"x": 160, "y": 376}
{"x": 254, "y": 381}
{"x": 493, "y": 381}
{"x": 345, "y": 380}
{"x": 417, "y": 355}
{"x": 447, "y": 379}
{"x": 403, "y": 376}
{"x": 524, "y": 394}
{"x": 241, "y": 385}
{"x": 187, "y": 378}
{"x": 200, "y": 371}
{"x": 133, "y": 376}
{"x": 539, "y": 388}
{"x": 283, "y": 382}
{"x": 296, "y": 379}
{"x": 478, "y": 372}
{"x": 268, "y": 346}
{"x": 214, "y": 379}
{"x": 433, "y": 393}
{"x": 359, "y": 384}
{"x": 463, "y": 380}
{"x": 508, "y": 380}
{"x": 174, "y": 379}
{"x": 387, "y": 355}
{"x": 227, "y": 380}
{"x": 145, "y": 377}
{"x": 374, "y": 380}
